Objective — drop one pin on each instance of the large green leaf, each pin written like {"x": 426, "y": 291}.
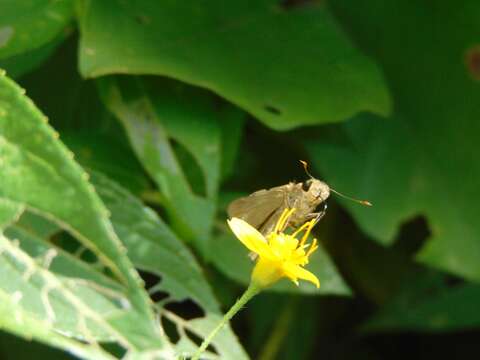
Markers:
{"x": 76, "y": 306}
{"x": 63, "y": 263}
{"x": 154, "y": 248}
{"x": 104, "y": 153}
{"x": 72, "y": 306}
{"x": 25, "y": 62}
{"x": 26, "y": 24}
{"x": 23, "y": 324}
{"x": 287, "y": 68}
{"x": 422, "y": 161}
{"x": 427, "y": 302}
{"x": 76, "y": 297}
{"x": 156, "y": 113}
{"x": 231, "y": 139}
{"x": 39, "y": 173}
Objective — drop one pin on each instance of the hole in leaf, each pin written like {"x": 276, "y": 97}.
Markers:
{"x": 152, "y": 283}
{"x": 157, "y": 294}
{"x": 272, "y": 110}
{"x": 87, "y": 255}
{"x": 68, "y": 243}
{"x": 114, "y": 349}
{"x": 190, "y": 168}
{"x": 170, "y": 329}
{"x": 149, "y": 278}
{"x": 198, "y": 341}
{"x": 187, "y": 309}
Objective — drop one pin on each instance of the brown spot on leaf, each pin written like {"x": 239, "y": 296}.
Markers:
{"x": 143, "y": 19}
{"x": 472, "y": 61}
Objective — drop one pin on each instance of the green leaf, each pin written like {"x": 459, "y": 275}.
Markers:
{"x": 286, "y": 327}
{"x": 9, "y": 212}
{"x": 84, "y": 303}
{"x": 156, "y": 113}
{"x": 427, "y": 303}
{"x": 71, "y": 306}
{"x": 23, "y": 324}
{"x": 27, "y": 25}
{"x": 53, "y": 185}
{"x": 421, "y": 161}
{"x": 154, "y": 248}
{"x": 87, "y": 127}
{"x": 63, "y": 263}
{"x": 70, "y": 102}
{"x": 18, "y": 65}
{"x": 231, "y": 257}
{"x": 287, "y": 68}
{"x": 37, "y": 225}
{"x": 104, "y": 153}
{"x": 232, "y": 129}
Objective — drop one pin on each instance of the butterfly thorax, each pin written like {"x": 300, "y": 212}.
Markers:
{"x": 305, "y": 198}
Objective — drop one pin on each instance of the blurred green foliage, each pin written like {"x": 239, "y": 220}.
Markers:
{"x": 126, "y": 128}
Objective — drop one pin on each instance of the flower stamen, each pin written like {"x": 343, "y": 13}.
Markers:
{"x": 313, "y": 247}
{"x": 280, "y": 226}
{"x": 301, "y": 228}
{"x": 310, "y": 224}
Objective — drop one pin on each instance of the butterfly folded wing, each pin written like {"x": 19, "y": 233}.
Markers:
{"x": 260, "y": 209}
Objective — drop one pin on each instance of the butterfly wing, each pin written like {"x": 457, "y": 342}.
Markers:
{"x": 257, "y": 208}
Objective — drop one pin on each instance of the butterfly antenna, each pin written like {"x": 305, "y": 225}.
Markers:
{"x": 305, "y": 166}
{"x": 362, "y": 202}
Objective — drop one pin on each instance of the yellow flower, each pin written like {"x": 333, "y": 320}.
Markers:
{"x": 279, "y": 254}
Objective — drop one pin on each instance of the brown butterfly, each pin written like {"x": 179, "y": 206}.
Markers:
{"x": 263, "y": 208}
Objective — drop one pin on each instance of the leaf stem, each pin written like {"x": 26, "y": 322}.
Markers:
{"x": 251, "y": 291}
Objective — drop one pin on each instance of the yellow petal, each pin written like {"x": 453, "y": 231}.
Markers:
{"x": 297, "y": 272}
{"x": 251, "y": 238}
{"x": 266, "y": 272}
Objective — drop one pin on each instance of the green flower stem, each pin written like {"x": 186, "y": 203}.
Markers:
{"x": 251, "y": 291}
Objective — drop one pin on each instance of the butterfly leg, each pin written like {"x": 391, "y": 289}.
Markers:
{"x": 318, "y": 215}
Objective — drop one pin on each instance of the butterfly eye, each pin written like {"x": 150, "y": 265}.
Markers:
{"x": 306, "y": 185}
